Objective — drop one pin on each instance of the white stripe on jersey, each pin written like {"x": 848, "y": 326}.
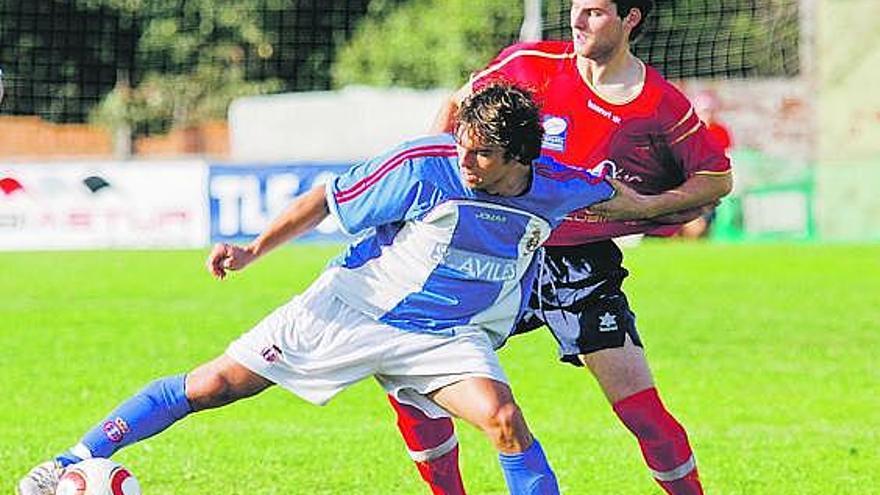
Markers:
{"x": 380, "y": 284}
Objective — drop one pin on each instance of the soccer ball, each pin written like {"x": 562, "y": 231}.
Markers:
{"x": 97, "y": 477}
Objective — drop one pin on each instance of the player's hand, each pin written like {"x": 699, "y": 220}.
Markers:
{"x": 228, "y": 257}
{"x": 626, "y": 204}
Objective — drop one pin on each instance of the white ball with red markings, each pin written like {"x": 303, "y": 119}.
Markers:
{"x": 97, "y": 477}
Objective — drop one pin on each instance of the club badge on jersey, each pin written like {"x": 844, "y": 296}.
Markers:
{"x": 555, "y": 133}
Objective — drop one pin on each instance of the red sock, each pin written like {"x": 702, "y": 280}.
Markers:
{"x": 663, "y": 441}
{"x": 433, "y": 447}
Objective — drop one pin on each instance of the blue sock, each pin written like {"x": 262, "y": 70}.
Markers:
{"x": 528, "y": 473}
{"x": 159, "y": 405}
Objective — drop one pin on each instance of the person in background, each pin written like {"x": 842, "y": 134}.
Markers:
{"x": 707, "y": 105}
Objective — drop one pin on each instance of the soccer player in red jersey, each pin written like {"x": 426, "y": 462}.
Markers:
{"x": 602, "y": 108}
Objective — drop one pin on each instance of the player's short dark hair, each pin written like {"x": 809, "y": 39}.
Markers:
{"x": 506, "y": 116}
{"x": 644, "y": 6}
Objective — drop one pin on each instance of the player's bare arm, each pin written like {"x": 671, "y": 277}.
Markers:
{"x": 444, "y": 122}
{"x": 698, "y": 191}
{"x": 684, "y": 216}
{"x": 303, "y": 214}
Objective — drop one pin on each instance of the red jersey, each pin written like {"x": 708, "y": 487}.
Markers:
{"x": 652, "y": 142}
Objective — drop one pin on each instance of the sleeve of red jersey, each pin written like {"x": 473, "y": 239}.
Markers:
{"x": 688, "y": 138}
{"x": 506, "y": 67}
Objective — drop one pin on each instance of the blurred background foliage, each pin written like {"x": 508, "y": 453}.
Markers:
{"x": 426, "y": 43}
{"x": 158, "y": 64}
{"x": 151, "y": 65}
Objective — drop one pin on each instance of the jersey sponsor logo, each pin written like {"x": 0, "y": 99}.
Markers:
{"x": 584, "y": 216}
{"x": 491, "y": 217}
{"x": 607, "y": 322}
{"x": 475, "y": 265}
{"x": 609, "y": 168}
{"x": 605, "y": 167}
{"x": 555, "y": 133}
{"x": 565, "y": 173}
{"x": 608, "y": 114}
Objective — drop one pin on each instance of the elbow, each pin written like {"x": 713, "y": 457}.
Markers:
{"x": 726, "y": 185}
{"x": 721, "y": 186}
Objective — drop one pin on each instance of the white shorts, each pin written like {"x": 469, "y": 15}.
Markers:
{"x": 316, "y": 345}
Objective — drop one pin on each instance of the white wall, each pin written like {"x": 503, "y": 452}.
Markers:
{"x": 350, "y": 124}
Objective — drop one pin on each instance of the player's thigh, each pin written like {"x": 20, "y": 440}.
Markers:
{"x": 315, "y": 345}
{"x": 600, "y": 333}
{"x": 419, "y": 364}
{"x": 620, "y": 371}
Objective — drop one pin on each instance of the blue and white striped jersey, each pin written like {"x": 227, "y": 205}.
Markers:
{"x": 435, "y": 254}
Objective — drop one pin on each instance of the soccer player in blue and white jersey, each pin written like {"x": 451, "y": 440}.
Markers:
{"x": 450, "y": 225}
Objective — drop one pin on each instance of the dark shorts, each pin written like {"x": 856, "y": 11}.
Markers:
{"x": 577, "y": 294}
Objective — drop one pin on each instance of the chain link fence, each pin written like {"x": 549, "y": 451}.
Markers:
{"x": 61, "y": 57}
{"x": 709, "y": 38}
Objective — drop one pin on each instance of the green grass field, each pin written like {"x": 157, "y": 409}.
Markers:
{"x": 768, "y": 354}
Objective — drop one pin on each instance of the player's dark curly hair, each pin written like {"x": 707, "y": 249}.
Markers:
{"x": 503, "y": 115}
{"x": 644, "y": 6}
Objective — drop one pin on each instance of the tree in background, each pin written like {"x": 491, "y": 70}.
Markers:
{"x": 190, "y": 62}
{"x": 156, "y": 64}
{"x": 425, "y": 43}
{"x": 175, "y": 62}
{"x": 59, "y": 54}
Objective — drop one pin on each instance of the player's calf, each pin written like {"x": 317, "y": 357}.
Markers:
{"x": 663, "y": 442}
{"x": 153, "y": 409}
{"x": 488, "y": 405}
{"x": 148, "y": 412}
{"x": 164, "y": 402}
{"x": 522, "y": 458}
{"x": 433, "y": 447}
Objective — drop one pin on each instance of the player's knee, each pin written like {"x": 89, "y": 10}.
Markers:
{"x": 506, "y": 427}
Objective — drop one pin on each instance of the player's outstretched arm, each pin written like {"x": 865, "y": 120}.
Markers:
{"x": 697, "y": 191}
{"x": 684, "y": 216}
{"x": 303, "y": 214}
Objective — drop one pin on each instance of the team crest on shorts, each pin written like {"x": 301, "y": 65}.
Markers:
{"x": 271, "y": 353}
{"x": 607, "y": 322}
